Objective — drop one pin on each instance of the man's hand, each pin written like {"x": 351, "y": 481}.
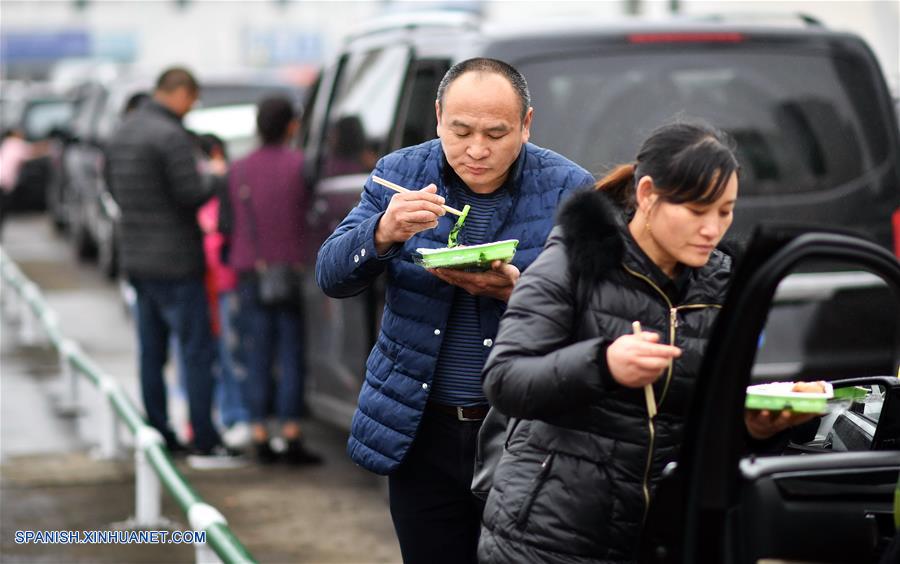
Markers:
{"x": 763, "y": 424}
{"x": 496, "y": 283}
{"x": 637, "y": 360}
{"x": 407, "y": 214}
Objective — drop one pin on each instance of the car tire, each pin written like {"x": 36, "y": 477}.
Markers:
{"x": 85, "y": 247}
{"x": 57, "y": 213}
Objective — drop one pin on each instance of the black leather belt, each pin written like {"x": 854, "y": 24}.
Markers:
{"x": 472, "y": 413}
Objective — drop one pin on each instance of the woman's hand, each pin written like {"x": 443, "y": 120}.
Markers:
{"x": 764, "y": 424}
{"x": 637, "y": 360}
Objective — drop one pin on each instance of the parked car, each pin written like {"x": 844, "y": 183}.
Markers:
{"x": 42, "y": 114}
{"x": 89, "y": 210}
{"x": 223, "y": 108}
{"x": 827, "y": 497}
{"x": 59, "y": 197}
{"x": 808, "y": 107}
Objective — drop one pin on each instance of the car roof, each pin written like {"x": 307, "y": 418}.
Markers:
{"x": 435, "y": 33}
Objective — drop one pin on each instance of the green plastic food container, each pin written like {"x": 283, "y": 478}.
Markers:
{"x": 778, "y": 396}
{"x": 478, "y": 257}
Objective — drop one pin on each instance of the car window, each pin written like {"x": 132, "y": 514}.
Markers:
{"x": 214, "y": 94}
{"x": 829, "y": 325}
{"x": 418, "y": 122}
{"x": 114, "y": 108}
{"x": 88, "y": 111}
{"x": 235, "y": 125}
{"x": 836, "y": 327}
{"x": 799, "y": 119}
{"x": 42, "y": 117}
{"x": 363, "y": 110}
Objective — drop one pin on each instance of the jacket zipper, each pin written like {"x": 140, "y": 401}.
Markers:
{"x": 537, "y": 483}
{"x": 673, "y": 324}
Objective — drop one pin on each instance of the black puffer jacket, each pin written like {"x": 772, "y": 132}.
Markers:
{"x": 154, "y": 180}
{"x": 574, "y": 483}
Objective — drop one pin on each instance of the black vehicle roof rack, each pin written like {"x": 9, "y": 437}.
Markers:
{"x": 764, "y": 17}
{"x": 417, "y": 20}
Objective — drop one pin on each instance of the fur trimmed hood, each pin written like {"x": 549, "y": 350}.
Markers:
{"x": 592, "y": 231}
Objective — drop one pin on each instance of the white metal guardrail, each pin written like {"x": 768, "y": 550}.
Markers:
{"x": 23, "y": 301}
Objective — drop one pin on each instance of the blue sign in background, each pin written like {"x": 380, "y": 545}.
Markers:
{"x": 42, "y": 46}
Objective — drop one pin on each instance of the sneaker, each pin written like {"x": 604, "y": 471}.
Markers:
{"x": 278, "y": 444}
{"x": 177, "y": 449}
{"x": 237, "y": 436}
{"x": 217, "y": 457}
{"x": 296, "y": 454}
{"x": 264, "y": 453}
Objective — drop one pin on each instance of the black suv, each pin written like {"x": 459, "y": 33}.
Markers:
{"x": 808, "y": 107}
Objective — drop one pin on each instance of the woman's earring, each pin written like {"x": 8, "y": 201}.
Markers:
{"x": 647, "y": 227}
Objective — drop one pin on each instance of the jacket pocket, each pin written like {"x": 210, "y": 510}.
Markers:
{"x": 378, "y": 366}
{"x": 535, "y": 488}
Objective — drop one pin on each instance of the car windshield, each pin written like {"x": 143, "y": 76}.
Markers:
{"x": 801, "y": 120}
{"x": 212, "y": 95}
{"x": 235, "y": 125}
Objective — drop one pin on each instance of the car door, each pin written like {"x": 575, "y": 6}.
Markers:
{"x": 353, "y": 119}
{"x": 824, "y": 498}
{"x": 375, "y": 100}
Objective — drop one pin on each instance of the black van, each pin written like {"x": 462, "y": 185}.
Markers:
{"x": 808, "y": 107}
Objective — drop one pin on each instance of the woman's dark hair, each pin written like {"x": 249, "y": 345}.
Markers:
{"x": 688, "y": 162}
{"x": 273, "y": 117}
{"x": 209, "y": 142}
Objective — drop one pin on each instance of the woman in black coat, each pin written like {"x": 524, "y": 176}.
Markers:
{"x": 576, "y": 480}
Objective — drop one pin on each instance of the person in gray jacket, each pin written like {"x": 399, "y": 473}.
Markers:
{"x": 155, "y": 181}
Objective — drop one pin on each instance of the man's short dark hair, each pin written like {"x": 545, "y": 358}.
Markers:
{"x": 273, "y": 116}
{"x": 483, "y": 64}
{"x": 177, "y": 77}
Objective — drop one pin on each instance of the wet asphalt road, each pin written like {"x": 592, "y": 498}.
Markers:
{"x": 52, "y": 479}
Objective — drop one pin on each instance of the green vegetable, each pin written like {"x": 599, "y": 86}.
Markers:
{"x": 452, "y": 240}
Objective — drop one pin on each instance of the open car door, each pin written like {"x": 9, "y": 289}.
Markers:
{"x": 823, "y": 497}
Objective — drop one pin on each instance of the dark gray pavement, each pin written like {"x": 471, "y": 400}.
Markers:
{"x": 52, "y": 479}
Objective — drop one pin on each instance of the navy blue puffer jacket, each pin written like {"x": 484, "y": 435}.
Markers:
{"x": 400, "y": 367}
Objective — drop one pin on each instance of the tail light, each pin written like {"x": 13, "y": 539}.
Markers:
{"x": 695, "y": 37}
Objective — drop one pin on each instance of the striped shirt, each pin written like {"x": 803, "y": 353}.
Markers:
{"x": 457, "y": 378}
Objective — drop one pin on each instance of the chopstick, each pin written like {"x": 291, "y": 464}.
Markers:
{"x": 649, "y": 396}
{"x": 401, "y": 189}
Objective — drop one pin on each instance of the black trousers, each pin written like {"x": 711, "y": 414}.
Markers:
{"x": 436, "y": 517}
